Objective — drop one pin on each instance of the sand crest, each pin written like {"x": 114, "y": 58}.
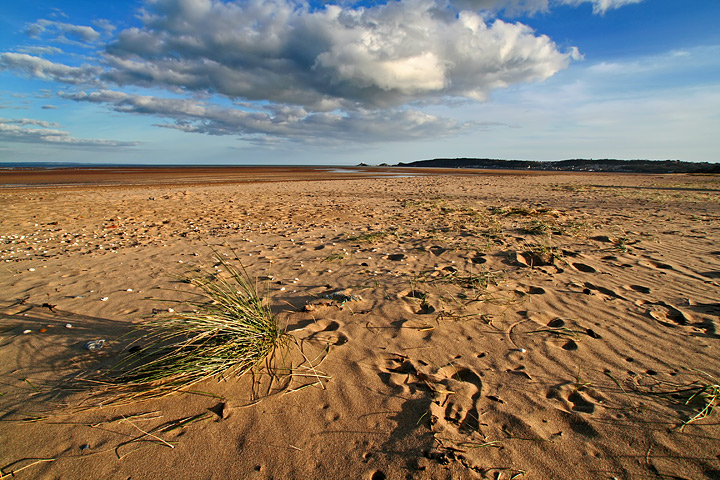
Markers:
{"x": 465, "y": 326}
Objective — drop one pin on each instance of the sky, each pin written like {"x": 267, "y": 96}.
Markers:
{"x": 283, "y": 82}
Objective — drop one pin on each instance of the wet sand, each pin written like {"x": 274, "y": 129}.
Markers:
{"x": 194, "y": 175}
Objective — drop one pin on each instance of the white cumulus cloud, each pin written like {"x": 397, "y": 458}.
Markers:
{"x": 26, "y": 130}
{"x": 334, "y": 57}
{"x": 33, "y": 66}
{"x": 289, "y": 69}
{"x": 276, "y": 121}
{"x": 515, "y": 7}
{"x": 60, "y": 31}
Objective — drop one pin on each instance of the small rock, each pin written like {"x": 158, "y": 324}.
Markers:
{"x": 25, "y": 332}
{"x": 68, "y": 325}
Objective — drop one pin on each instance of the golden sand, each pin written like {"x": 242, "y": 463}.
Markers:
{"x": 488, "y": 326}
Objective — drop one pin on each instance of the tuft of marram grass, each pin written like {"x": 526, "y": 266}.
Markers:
{"x": 231, "y": 331}
{"x": 702, "y": 395}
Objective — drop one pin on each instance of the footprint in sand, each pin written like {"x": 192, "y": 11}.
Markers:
{"x": 414, "y": 294}
{"x": 400, "y": 373}
{"x": 605, "y": 291}
{"x": 479, "y": 259}
{"x": 425, "y": 308}
{"x": 638, "y": 288}
{"x": 661, "y": 266}
{"x": 325, "y": 331}
{"x": 457, "y": 394}
{"x": 652, "y": 263}
{"x": 584, "y": 268}
{"x": 419, "y": 303}
{"x": 580, "y": 403}
{"x": 533, "y": 259}
{"x": 579, "y": 399}
{"x": 662, "y": 312}
{"x": 413, "y": 327}
{"x": 556, "y": 323}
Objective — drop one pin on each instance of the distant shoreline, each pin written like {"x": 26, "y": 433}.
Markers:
{"x": 570, "y": 165}
{"x": 125, "y": 175}
{"x": 573, "y": 165}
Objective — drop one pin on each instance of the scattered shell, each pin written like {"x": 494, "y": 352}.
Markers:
{"x": 93, "y": 345}
{"x": 25, "y": 332}
{"x": 31, "y": 269}
{"x": 105, "y": 299}
{"x": 68, "y": 325}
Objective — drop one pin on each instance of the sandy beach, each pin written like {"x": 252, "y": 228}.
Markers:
{"x": 479, "y": 326}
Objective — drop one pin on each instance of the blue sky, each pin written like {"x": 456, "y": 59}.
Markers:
{"x": 290, "y": 82}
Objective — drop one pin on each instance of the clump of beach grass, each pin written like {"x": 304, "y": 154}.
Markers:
{"x": 707, "y": 396}
{"x": 701, "y": 396}
{"x": 230, "y": 331}
{"x": 538, "y": 227}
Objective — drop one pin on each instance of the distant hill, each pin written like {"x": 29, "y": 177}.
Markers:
{"x": 575, "y": 165}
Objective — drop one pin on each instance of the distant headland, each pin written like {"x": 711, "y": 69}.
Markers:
{"x": 574, "y": 165}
